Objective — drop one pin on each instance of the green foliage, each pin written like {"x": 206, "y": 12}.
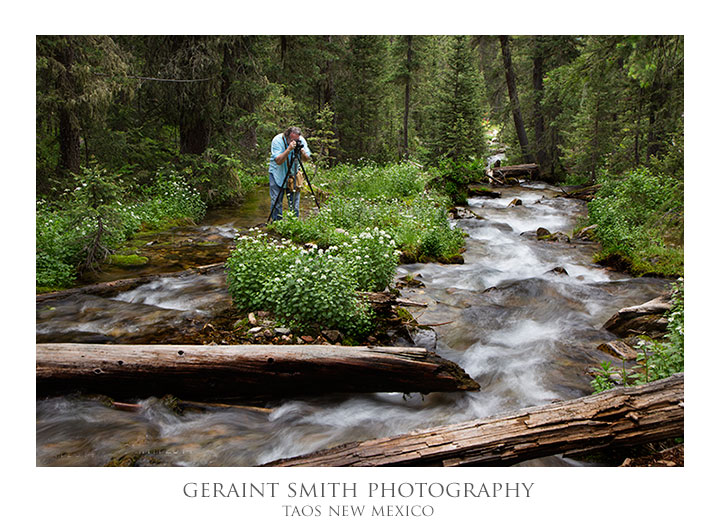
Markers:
{"x": 220, "y": 179}
{"x": 323, "y": 142}
{"x": 391, "y": 198}
{"x": 457, "y": 131}
{"x": 452, "y": 178}
{"x": 640, "y": 218}
{"x": 603, "y": 377}
{"x": 362, "y": 100}
{"x": 371, "y": 180}
{"x": 660, "y": 359}
{"x": 90, "y": 220}
{"x": 657, "y": 359}
{"x": 620, "y": 102}
{"x": 305, "y": 288}
{"x": 351, "y": 244}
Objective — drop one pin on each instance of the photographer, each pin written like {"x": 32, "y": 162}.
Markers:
{"x": 284, "y": 152}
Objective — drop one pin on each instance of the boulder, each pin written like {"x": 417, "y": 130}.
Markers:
{"x": 619, "y": 349}
{"x": 483, "y": 192}
{"x": 515, "y": 202}
{"x": 586, "y": 233}
{"x": 557, "y": 271}
{"x": 459, "y": 213}
{"x": 544, "y": 234}
{"x": 333, "y": 336}
{"x": 644, "y": 319}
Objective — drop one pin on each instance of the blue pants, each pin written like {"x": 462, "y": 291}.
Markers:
{"x": 293, "y": 199}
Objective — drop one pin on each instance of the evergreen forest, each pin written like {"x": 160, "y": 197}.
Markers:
{"x": 128, "y": 118}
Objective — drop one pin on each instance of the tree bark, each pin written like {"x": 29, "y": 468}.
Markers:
{"x": 541, "y": 156}
{"x": 194, "y": 132}
{"x": 529, "y": 169}
{"x": 249, "y": 372}
{"x": 69, "y": 131}
{"x": 406, "y": 114}
{"x": 514, "y": 100}
{"x": 616, "y": 418}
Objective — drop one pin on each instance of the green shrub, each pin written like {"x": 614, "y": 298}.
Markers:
{"x": 640, "y": 218}
{"x": 219, "y": 178}
{"x": 371, "y": 181}
{"x": 89, "y": 221}
{"x": 374, "y": 212}
{"x": 303, "y": 287}
{"x": 417, "y": 223}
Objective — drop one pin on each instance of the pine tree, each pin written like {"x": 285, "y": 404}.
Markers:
{"x": 77, "y": 77}
{"x": 458, "y": 134}
{"x": 362, "y": 99}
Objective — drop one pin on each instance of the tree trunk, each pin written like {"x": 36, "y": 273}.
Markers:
{"x": 529, "y": 169}
{"x": 406, "y": 114}
{"x": 617, "y": 418}
{"x": 69, "y": 131}
{"x": 194, "y": 132}
{"x": 248, "y": 372}
{"x": 514, "y": 100}
{"x": 541, "y": 156}
{"x": 69, "y": 142}
{"x": 487, "y": 53}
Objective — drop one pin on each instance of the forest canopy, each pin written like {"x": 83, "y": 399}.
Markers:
{"x": 574, "y": 104}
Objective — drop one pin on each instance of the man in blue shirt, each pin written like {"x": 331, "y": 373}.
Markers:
{"x": 283, "y": 168}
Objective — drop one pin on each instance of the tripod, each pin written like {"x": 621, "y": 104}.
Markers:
{"x": 295, "y": 156}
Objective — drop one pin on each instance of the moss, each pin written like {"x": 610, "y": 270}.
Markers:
{"x": 128, "y": 261}
{"x": 172, "y": 403}
{"x": 652, "y": 261}
{"x": 128, "y": 460}
{"x": 405, "y": 316}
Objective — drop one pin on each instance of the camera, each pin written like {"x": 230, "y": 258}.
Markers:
{"x": 298, "y": 146}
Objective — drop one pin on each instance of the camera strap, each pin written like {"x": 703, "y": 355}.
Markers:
{"x": 291, "y": 159}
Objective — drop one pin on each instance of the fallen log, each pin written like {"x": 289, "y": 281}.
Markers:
{"x": 527, "y": 169}
{"x": 585, "y": 193}
{"x": 183, "y": 405}
{"x": 245, "y": 372}
{"x": 616, "y": 418}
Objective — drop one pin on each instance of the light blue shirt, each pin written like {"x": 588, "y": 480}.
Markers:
{"x": 278, "y": 146}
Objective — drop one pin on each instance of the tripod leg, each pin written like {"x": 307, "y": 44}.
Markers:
{"x": 276, "y": 201}
{"x": 293, "y": 198}
{"x": 307, "y": 178}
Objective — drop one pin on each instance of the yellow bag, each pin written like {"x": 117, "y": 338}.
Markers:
{"x": 296, "y": 181}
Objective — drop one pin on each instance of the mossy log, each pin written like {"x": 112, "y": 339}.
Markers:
{"x": 616, "y": 418}
{"x": 244, "y": 372}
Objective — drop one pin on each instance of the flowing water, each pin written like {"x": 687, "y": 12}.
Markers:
{"x": 522, "y": 316}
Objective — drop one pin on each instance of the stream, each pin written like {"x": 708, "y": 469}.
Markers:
{"x": 522, "y": 316}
